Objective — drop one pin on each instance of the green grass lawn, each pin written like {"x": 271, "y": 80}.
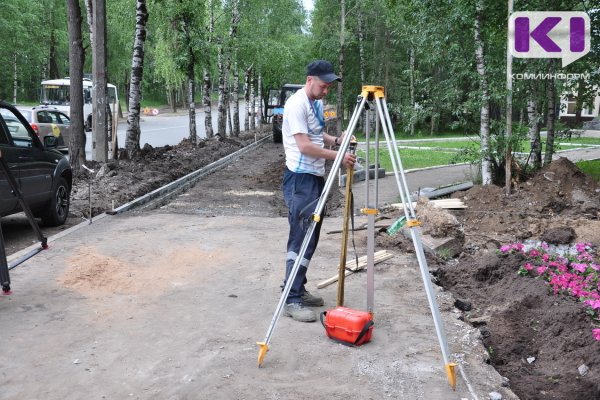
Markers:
{"x": 475, "y": 142}
{"x": 454, "y": 144}
{"x": 591, "y": 168}
{"x": 436, "y": 155}
{"x": 360, "y": 136}
{"x": 411, "y": 158}
{"x": 151, "y": 103}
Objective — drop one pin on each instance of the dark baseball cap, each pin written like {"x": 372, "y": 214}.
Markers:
{"x": 323, "y": 70}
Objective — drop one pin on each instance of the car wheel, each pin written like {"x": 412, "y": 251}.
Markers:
{"x": 58, "y": 209}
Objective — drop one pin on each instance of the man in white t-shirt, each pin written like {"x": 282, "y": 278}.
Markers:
{"x": 304, "y": 141}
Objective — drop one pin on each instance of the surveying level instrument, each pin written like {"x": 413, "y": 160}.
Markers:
{"x": 368, "y": 96}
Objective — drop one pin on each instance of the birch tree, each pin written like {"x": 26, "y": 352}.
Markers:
{"x": 550, "y": 115}
{"x": 248, "y": 113}
{"x": 206, "y": 80}
{"x": 224, "y": 63}
{"x": 221, "y": 110}
{"x": 132, "y": 138}
{"x": 534, "y": 130}
{"x": 260, "y": 103}
{"x": 207, "y": 104}
{"x": 236, "y": 103}
{"x": 272, "y": 29}
{"x": 484, "y": 131}
{"x": 252, "y": 101}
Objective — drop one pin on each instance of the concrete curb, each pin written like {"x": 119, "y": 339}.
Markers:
{"x": 187, "y": 180}
{"x": 13, "y": 258}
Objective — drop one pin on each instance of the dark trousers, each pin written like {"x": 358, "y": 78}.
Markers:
{"x": 301, "y": 193}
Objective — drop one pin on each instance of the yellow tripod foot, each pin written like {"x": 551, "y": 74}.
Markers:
{"x": 451, "y": 373}
{"x": 262, "y": 352}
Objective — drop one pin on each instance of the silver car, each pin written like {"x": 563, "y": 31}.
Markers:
{"x": 47, "y": 120}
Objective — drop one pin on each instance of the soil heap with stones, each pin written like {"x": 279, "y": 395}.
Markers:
{"x": 118, "y": 182}
{"x": 541, "y": 342}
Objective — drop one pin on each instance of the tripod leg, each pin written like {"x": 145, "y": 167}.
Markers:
{"x": 370, "y": 211}
{"x": 4, "y": 275}
{"x": 416, "y": 239}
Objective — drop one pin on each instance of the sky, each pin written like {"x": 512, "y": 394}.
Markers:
{"x": 308, "y": 4}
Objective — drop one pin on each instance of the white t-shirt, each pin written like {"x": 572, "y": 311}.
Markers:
{"x": 300, "y": 115}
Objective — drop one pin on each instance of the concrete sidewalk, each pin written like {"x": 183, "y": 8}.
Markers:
{"x": 159, "y": 305}
{"x": 169, "y": 306}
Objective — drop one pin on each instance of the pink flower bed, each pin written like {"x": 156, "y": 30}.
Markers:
{"x": 576, "y": 274}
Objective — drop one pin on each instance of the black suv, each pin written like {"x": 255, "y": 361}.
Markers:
{"x": 42, "y": 172}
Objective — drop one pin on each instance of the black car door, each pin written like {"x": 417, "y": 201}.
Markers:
{"x": 8, "y": 201}
{"x": 34, "y": 168}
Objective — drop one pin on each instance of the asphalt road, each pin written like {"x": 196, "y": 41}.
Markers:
{"x": 165, "y": 128}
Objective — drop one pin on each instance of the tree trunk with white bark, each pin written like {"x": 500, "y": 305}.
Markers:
{"x": 207, "y": 105}
{"x": 248, "y": 113}
{"x": 484, "y": 130}
{"x": 221, "y": 111}
{"x": 551, "y": 118}
{"x": 132, "y": 138}
{"x": 252, "y": 103}
{"x": 236, "y": 102}
{"x": 260, "y": 103}
{"x": 534, "y": 131}
{"x": 412, "y": 91}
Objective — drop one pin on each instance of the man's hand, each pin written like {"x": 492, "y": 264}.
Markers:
{"x": 343, "y": 135}
{"x": 349, "y": 160}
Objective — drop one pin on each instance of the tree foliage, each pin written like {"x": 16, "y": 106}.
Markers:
{"x": 422, "y": 51}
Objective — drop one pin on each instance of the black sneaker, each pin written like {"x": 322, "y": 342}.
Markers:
{"x": 300, "y": 313}
{"x": 309, "y": 300}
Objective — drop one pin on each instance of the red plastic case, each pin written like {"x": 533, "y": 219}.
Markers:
{"x": 348, "y": 326}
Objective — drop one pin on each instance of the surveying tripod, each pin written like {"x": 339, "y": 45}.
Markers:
{"x": 368, "y": 96}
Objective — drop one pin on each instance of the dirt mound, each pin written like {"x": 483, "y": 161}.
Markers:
{"x": 541, "y": 342}
{"x": 520, "y": 319}
{"x": 558, "y": 188}
{"x": 558, "y": 193}
{"x": 92, "y": 273}
{"x": 561, "y": 188}
{"x": 116, "y": 183}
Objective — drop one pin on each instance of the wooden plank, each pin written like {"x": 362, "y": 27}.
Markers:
{"x": 351, "y": 266}
{"x": 442, "y": 203}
